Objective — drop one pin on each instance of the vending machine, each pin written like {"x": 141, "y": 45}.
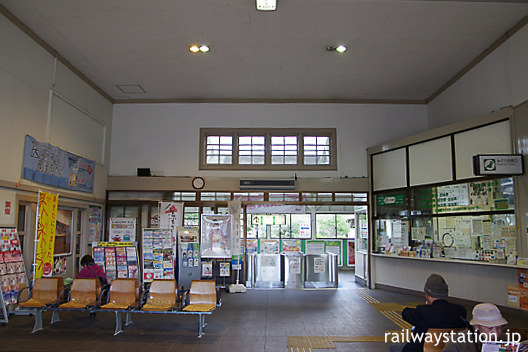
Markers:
{"x": 189, "y": 265}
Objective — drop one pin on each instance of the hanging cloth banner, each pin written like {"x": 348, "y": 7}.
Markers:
{"x": 45, "y": 237}
{"x": 51, "y": 165}
{"x": 234, "y": 209}
{"x": 171, "y": 216}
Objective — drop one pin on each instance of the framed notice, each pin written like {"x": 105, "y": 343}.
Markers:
{"x": 95, "y": 223}
{"x": 122, "y": 229}
{"x": 224, "y": 269}
{"x": 207, "y": 269}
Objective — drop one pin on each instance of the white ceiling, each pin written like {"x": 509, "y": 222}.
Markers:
{"x": 398, "y": 49}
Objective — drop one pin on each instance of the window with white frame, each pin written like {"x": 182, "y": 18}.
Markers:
{"x": 219, "y": 150}
{"x": 268, "y": 148}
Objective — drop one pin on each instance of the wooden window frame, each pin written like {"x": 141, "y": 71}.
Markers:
{"x": 268, "y": 133}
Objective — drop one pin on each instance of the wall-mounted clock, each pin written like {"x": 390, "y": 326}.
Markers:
{"x": 198, "y": 183}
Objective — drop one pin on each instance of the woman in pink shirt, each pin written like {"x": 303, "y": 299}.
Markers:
{"x": 91, "y": 270}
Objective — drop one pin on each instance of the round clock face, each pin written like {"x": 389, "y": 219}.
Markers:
{"x": 448, "y": 240}
{"x": 198, "y": 183}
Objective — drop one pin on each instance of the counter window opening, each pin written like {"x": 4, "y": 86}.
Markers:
{"x": 466, "y": 220}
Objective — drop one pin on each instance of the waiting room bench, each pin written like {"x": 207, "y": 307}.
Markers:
{"x": 123, "y": 297}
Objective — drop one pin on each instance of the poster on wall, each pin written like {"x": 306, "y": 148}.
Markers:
{"x": 269, "y": 246}
{"x": 291, "y": 245}
{"x": 224, "y": 269}
{"x": 216, "y": 236}
{"x": 251, "y": 246}
{"x": 53, "y": 166}
{"x": 122, "y": 229}
{"x": 207, "y": 269}
{"x": 95, "y": 223}
{"x": 315, "y": 247}
{"x": 46, "y": 227}
{"x": 351, "y": 253}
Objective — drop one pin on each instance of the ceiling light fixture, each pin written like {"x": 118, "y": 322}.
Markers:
{"x": 266, "y": 5}
{"x": 340, "y": 49}
{"x": 195, "y": 48}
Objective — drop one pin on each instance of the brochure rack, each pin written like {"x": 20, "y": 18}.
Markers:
{"x": 158, "y": 254}
{"x": 12, "y": 271}
{"x": 119, "y": 259}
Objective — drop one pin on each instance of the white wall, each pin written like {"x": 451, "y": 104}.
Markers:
{"x": 501, "y": 79}
{"x": 26, "y": 76}
{"x": 476, "y": 282}
{"x": 165, "y": 137}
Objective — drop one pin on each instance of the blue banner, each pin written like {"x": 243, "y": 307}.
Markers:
{"x": 51, "y": 165}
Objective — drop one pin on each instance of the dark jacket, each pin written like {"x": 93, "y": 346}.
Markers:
{"x": 439, "y": 315}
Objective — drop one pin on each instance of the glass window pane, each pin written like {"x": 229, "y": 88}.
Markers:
{"x": 213, "y": 140}
{"x": 325, "y": 225}
{"x": 301, "y": 226}
{"x": 244, "y": 141}
{"x": 226, "y": 140}
{"x": 309, "y": 140}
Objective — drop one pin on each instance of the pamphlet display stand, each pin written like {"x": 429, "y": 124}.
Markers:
{"x": 189, "y": 265}
{"x": 12, "y": 271}
{"x": 158, "y": 254}
{"x": 119, "y": 259}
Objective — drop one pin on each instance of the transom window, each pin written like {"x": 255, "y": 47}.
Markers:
{"x": 272, "y": 149}
{"x": 219, "y": 150}
{"x": 251, "y": 150}
{"x": 284, "y": 150}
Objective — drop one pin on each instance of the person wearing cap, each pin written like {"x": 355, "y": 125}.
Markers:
{"x": 437, "y": 313}
{"x": 487, "y": 321}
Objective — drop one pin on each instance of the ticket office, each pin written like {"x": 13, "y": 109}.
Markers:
{"x": 435, "y": 207}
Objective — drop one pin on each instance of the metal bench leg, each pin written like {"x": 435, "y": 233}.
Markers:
{"x": 203, "y": 324}
{"x": 55, "y": 317}
{"x": 38, "y": 320}
{"x": 119, "y": 325}
{"x": 128, "y": 318}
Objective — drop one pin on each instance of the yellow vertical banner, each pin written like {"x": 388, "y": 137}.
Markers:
{"x": 46, "y": 226}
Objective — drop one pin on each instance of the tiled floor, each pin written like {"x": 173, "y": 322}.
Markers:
{"x": 259, "y": 320}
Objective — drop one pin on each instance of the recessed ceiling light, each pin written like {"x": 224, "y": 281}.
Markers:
{"x": 339, "y": 49}
{"x": 204, "y": 48}
{"x": 194, "y": 48}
